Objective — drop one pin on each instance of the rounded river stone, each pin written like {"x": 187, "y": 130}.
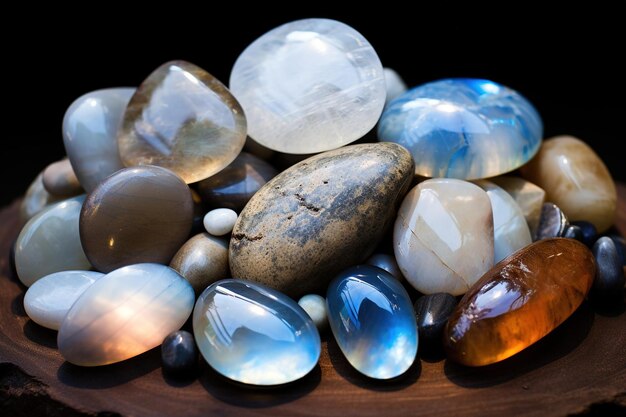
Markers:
{"x": 36, "y": 199}
{"x": 59, "y": 179}
{"x": 319, "y": 217}
{"x": 140, "y": 214}
{"x": 608, "y": 285}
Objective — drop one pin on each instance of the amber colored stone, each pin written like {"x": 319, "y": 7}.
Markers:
{"x": 519, "y": 301}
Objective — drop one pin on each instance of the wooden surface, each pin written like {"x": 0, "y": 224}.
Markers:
{"x": 579, "y": 369}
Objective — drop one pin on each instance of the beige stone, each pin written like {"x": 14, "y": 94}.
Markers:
{"x": 528, "y": 196}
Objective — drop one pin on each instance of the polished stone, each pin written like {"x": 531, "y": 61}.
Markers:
{"x": 574, "y": 232}
{"x": 387, "y": 263}
{"x": 552, "y": 223}
{"x": 315, "y": 307}
{"x": 518, "y": 302}
{"x": 309, "y": 86}
{"x": 124, "y": 314}
{"x": 463, "y": 128}
{"x": 527, "y": 195}
{"x": 620, "y": 245}
{"x": 90, "y": 130}
{"x": 35, "y": 199}
{"x": 575, "y": 179}
{"x": 220, "y": 222}
{"x": 432, "y": 312}
{"x": 589, "y": 231}
{"x": 183, "y": 119}
{"x": 394, "y": 84}
{"x": 372, "y": 319}
{"x": 60, "y": 180}
{"x": 444, "y": 236}
{"x": 252, "y": 334}
{"x": 608, "y": 286}
{"x": 319, "y": 217}
{"x": 140, "y": 214}
{"x": 179, "y": 354}
{"x": 50, "y": 242}
{"x": 49, "y": 299}
{"x": 202, "y": 260}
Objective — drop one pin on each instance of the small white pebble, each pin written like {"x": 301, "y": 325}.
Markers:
{"x": 315, "y": 307}
{"x": 220, "y": 222}
{"x": 394, "y": 84}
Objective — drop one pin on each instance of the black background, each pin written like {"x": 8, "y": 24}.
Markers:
{"x": 567, "y": 65}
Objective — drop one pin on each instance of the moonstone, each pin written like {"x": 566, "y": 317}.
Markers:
{"x": 90, "y": 130}
{"x": 49, "y": 299}
{"x": 309, "y": 86}
{"x": 519, "y": 301}
{"x": 124, "y": 314}
{"x": 527, "y": 195}
{"x": 394, "y": 84}
{"x": 220, "y": 222}
{"x": 372, "y": 319}
{"x": 253, "y": 334}
{"x": 50, "y": 242}
{"x": 36, "y": 199}
{"x": 443, "y": 236}
{"x": 315, "y": 307}
{"x": 182, "y": 118}
{"x": 463, "y": 128}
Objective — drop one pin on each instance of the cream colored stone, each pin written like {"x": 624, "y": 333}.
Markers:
{"x": 528, "y": 196}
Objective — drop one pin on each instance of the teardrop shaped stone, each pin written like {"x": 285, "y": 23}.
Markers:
{"x": 183, "y": 119}
{"x": 50, "y": 242}
{"x": 49, "y": 299}
{"x": 519, "y": 301}
{"x": 372, "y": 319}
{"x": 140, "y": 214}
{"x": 253, "y": 334}
{"x": 125, "y": 313}
{"x": 527, "y": 195}
{"x": 552, "y": 222}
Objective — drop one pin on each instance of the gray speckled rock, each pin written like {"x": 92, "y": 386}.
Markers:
{"x": 320, "y": 216}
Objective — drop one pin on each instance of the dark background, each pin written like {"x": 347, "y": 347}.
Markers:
{"x": 566, "y": 65}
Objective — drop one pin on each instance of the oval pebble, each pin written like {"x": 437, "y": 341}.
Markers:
{"x": 220, "y": 222}
{"x": 432, "y": 312}
{"x": 315, "y": 307}
{"x": 588, "y": 230}
{"x": 387, "y": 263}
{"x": 574, "y": 232}
{"x": 552, "y": 222}
{"x": 60, "y": 180}
{"x": 179, "y": 354}
{"x": 36, "y": 199}
{"x": 608, "y": 285}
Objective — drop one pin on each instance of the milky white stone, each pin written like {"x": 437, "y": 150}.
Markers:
{"x": 220, "y": 222}
{"x": 315, "y": 307}
{"x": 528, "y": 196}
{"x": 36, "y": 199}
{"x": 125, "y": 313}
{"x": 394, "y": 83}
{"x": 49, "y": 299}
{"x": 443, "y": 236}
{"x": 309, "y": 86}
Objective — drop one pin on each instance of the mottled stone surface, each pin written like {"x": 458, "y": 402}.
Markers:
{"x": 518, "y": 302}
{"x": 140, "y": 214}
{"x": 552, "y": 222}
{"x": 60, "y": 180}
{"x": 36, "y": 199}
{"x": 527, "y": 195}
{"x": 309, "y": 86}
{"x": 182, "y": 118}
{"x": 608, "y": 285}
{"x": 575, "y": 179}
{"x": 320, "y": 216}
{"x": 432, "y": 312}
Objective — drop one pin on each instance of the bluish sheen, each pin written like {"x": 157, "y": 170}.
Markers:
{"x": 372, "y": 319}
{"x": 253, "y": 334}
{"x": 463, "y": 128}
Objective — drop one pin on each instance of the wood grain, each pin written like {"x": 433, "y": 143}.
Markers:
{"x": 579, "y": 369}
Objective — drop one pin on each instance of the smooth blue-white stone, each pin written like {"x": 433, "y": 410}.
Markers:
{"x": 373, "y": 321}
{"x": 463, "y": 128}
{"x": 253, "y": 334}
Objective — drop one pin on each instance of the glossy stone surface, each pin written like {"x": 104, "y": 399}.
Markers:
{"x": 575, "y": 179}
{"x": 309, "y": 86}
{"x": 140, "y": 214}
{"x": 49, "y": 299}
{"x": 60, "y": 180}
{"x": 315, "y": 306}
{"x": 574, "y": 232}
{"x": 50, "y": 242}
{"x": 552, "y": 222}
{"x": 253, "y": 334}
{"x": 220, "y": 222}
{"x": 518, "y": 302}
{"x": 235, "y": 185}
{"x": 394, "y": 84}
{"x": 183, "y": 119}
{"x": 510, "y": 229}
{"x": 620, "y": 245}
{"x": 123, "y": 314}
{"x": 36, "y": 199}
{"x": 372, "y": 319}
{"x": 202, "y": 260}
{"x": 443, "y": 236}
{"x": 387, "y": 263}
{"x": 608, "y": 285}
{"x": 319, "y": 217}
{"x": 589, "y": 231}
{"x": 527, "y": 195}
{"x": 179, "y": 354}
{"x": 463, "y": 128}
{"x": 432, "y": 312}
{"x": 90, "y": 130}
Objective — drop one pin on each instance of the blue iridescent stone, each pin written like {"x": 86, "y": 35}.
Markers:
{"x": 372, "y": 319}
{"x": 254, "y": 334}
{"x": 463, "y": 128}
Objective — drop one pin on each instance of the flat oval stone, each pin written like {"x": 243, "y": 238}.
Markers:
{"x": 220, "y": 222}
{"x": 315, "y": 306}
{"x": 608, "y": 285}
{"x": 519, "y": 301}
{"x": 50, "y": 242}
{"x": 552, "y": 222}
{"x": 179, "y": 354}
{"x": 90, "y": 128}
{"x": 253, "y": 334}
{"x": 35, "y": 199}
{"x": 527, "y": 195}
{"x": 319, "y": 217}
{"x": 124, "y": 314}
{"x": 443, "y": 236}
{"x": 372, "y": 319}
{"x": 140, "y": 214}
{"x": 575, "y": 179}
{"x": 183, "y": 119}
{"x": 60, "y": 180}
{"x": 202, "y": 260}
{"x": 394, "y": 84}
{"x": 387, "y": 263}
{"x": 463, "y": 128}
{"x": 49, "y": 299}
{"x": 235, "y": 185}
{"x": 510, "y": 229}
{"x": 432, "y": 312}
{"x": 309, "y": 86}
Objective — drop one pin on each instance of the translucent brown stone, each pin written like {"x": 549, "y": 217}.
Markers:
{"x": 519, "y": 301}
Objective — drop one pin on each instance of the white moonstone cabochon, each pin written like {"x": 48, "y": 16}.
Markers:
{"x": 125, "y": 313}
